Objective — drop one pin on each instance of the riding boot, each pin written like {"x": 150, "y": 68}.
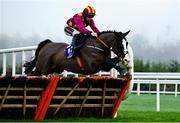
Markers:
{"x": 74, "y": 42}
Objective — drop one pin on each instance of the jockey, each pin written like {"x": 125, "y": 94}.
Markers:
{"x": 78, "y": 23}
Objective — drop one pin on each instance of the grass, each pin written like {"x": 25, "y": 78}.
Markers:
{"x": 135, "y": 109}
{"x": 147, "y": 102}
{"x": 123, "y": 116}
{"x": 170, "y": 103}
{"x": 147, "y": 116}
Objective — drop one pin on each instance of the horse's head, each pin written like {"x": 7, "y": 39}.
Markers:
{"x": 120, "y": 44}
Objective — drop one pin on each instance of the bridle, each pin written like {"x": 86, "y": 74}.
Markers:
{"x": 107, "y": 47}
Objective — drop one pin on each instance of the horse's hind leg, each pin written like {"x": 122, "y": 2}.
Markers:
{"x": 55, "y": 69}
{"x": 47, "y": 68}
{"x": 41, "y": 68}
{"x": 35, "y": 73}
{"x": 42, "y": 71}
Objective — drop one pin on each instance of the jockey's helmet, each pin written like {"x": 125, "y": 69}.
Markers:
{"x": 89, "y": 11}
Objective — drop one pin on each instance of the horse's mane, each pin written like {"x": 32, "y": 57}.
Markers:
{"x": 81, "y": 35}
{"x": 108, "y": 31}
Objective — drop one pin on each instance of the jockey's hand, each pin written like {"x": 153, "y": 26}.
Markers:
{"x": 94, "y": 34}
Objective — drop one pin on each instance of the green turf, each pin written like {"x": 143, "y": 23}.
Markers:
{"x": 147, "y": 102}
{"x": 138, "y": 116}
{"x": 170, "y": 103}
{"x": 123, "y": 116}
{"x": 139, "y": 103}
{"x": 129, "y": 116}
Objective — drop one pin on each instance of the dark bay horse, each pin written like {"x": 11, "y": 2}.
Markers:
{"x": 49, "y": 56}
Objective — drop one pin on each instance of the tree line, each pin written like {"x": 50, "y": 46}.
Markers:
{"x": 141, "y": 66}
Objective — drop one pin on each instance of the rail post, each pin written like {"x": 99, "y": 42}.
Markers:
{"x": 158, "y": 96}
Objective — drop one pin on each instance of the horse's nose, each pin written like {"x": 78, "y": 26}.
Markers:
{"x": 126, "y": 59}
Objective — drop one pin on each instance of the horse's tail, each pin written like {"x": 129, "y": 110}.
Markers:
{"x": 31, "y": 64}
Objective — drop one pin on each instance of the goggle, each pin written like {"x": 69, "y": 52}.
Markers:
{"x": 90, "y": 16}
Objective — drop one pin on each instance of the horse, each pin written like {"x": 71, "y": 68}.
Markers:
{"x": 94, "y": 55}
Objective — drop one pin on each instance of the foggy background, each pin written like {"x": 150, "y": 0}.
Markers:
{"x": 154, "y": 24}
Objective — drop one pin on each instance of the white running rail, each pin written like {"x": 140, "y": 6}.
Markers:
{"x": 13, "y": 51}
{"x": 158, "y": 79}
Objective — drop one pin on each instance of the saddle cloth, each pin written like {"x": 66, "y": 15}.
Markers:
{"x": 68, "y": 52}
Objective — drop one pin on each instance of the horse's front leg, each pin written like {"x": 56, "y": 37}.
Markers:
{"x": 112, "y": 63}
{"x": 122, "y": 68}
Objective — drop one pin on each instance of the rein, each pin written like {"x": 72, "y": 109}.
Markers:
{"x": 102, "y": 42}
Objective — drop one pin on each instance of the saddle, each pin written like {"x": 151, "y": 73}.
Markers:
{"x": 78, "y": 42}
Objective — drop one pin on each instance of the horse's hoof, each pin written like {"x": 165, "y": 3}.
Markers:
{"x": 129, "y": 76}
{"x": 123, "y": 74}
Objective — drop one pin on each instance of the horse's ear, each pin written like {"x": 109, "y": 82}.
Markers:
{"x": 124, "y": 35}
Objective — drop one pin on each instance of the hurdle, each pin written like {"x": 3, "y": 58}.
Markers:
{"x": 96, "y": 96}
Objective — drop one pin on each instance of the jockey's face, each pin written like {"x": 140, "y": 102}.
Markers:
{"x": 88, "y": 18}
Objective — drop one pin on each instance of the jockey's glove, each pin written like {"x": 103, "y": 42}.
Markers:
{"x": 94, "y": 34}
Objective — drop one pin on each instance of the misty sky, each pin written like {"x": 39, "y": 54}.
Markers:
{"x": 155, "y": 19}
